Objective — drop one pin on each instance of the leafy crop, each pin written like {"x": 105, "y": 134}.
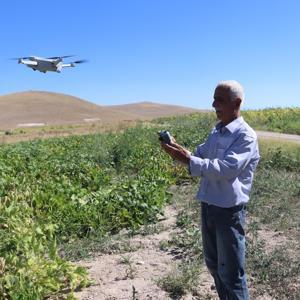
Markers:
{"x": 63, "y": 189}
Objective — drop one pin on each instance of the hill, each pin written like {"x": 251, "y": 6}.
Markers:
{"x": 36, "y": 107}
{"x": 32, "y": 108}
{"x": 150, "y": 110}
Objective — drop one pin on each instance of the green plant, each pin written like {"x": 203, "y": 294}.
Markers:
{"x": 275, "y": 119}
{"x": 180, "y": 280}
{"x": 274, "y": 270}
{"x": 131, "y": 269}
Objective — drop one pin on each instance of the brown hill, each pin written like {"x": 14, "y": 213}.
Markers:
{"x": 32, "y": 108}
{"x": 35, "y": 107}
{"x": 150, "y": 110}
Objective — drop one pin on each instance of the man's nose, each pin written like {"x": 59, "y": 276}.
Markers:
{"x": 214, "y": 103}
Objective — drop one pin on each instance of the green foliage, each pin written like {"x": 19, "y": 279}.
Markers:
{"x": 190, "y": 130}
{"x": 30, "y": 266}
{"x": 275, "y": 198}
{"x": 285, "y": 120}
{"x": 84, "y": 188}
{"x": 278, "y": 159}
{"x": 65, "y": 189}
{"x": 274, "y": 271}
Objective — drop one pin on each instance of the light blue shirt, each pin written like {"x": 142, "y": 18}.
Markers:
{"x": 226, "y": 162}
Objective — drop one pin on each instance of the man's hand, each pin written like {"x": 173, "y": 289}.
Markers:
{"x": 177, "y": 152}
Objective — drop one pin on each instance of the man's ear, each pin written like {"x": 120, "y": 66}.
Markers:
{"x": 238, "y": 103}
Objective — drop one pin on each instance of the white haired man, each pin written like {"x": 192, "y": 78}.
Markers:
{"x": 226, "y": 163}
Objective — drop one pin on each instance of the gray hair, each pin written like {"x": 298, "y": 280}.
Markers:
{"x": 235, "y": 89}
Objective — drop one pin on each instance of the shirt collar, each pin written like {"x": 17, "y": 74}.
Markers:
{"x": 232, "y": 126}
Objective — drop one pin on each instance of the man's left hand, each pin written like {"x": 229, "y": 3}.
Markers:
{"x": 177, "y": 152}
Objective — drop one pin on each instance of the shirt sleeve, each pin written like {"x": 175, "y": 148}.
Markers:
{"x": 201, "y": 150}
{"x": 235, "y": 159}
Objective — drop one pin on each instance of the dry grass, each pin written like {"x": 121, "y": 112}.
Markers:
{"x": 150, "y": 110}
{"x": 53, "y": 108}
{"x": 57, "y": 109}
{"x": 44, "y": 132}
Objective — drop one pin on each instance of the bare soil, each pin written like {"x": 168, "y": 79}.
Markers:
{"x": 134, "y": 275}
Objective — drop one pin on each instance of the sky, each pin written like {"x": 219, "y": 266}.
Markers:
{"x": 164, "y": 51}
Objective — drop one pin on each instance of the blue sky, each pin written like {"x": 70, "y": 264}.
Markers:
{"x": 165, "y": 51}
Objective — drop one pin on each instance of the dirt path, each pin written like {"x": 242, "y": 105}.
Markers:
{"x": 8, "y": 139}
{"x": 134, "y": 274}
{"x": 278, "y": 136}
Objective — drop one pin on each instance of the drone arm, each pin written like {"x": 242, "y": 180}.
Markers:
{"x": 28, "y": 62}
{"x": 67, "y": 65}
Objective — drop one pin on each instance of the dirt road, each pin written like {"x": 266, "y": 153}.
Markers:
{"x": 278, "y": 136}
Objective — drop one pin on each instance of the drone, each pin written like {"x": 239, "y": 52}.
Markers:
{"x": 45, "y": 64}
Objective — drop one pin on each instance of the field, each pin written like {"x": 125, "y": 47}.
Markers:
{"x": 284, "y": 120}
{"x": 83, "y": 190}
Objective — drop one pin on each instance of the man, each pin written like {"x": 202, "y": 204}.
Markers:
{"x": 226, "y": 163}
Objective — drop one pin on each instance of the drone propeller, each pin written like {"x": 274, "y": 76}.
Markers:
{"x": 80, "y": 61}
{"x": 18, "y": 58}
{"x": 57, "y": 57}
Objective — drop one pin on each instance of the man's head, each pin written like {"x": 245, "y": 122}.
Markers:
{"x": 228, "y": 97}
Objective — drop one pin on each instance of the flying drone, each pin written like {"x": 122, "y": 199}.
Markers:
{"x": 44, "y": 64}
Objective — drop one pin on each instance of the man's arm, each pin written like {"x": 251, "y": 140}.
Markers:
{"x": 241, "y": 152}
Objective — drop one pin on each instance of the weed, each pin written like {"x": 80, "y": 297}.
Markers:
{"x": 180, "y": 280}
{"x": 84, "y": 248}
{"x": 164, "y": 245}
{"x": 130, "y": 268}
{"x": 274, "y": 198}
{"x": 148, "y": 229}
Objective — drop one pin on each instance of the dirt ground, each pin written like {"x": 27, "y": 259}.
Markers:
{"x": 133, "y": 275}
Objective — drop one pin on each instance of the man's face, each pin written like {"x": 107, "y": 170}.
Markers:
{"x": 226, "y": 109}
